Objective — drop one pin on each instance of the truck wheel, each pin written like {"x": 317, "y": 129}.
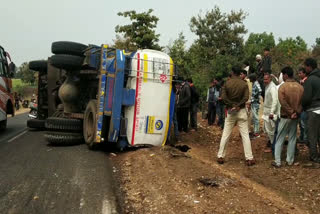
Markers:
{"x": 36, "y": 124}
{"x": 70, "y": 48}
{"x": 39, "y": 65}
{"x": 63, "y": 124}
{"x": 67, "y": 62}
{"x": 63, "y": 138}
{"x": 89, "y": 124}
{"x": 3, "y": 125}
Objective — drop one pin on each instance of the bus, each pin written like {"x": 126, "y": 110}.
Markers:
{"x": 6, "y": 95}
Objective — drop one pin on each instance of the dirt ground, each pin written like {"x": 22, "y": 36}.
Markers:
{"x": 167, "y": 180}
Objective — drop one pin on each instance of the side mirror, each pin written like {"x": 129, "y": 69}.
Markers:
{"x": 12, "y": 69}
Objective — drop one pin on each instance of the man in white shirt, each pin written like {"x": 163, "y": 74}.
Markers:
{"x": 270, "y": 108}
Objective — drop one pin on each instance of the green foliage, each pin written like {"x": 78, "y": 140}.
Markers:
{"x": 316, "y": 50}
{"x": 220, "y": 33}
{"x": 291, "y": 47}
{"x": 140, "y": 33}
{"x": 123, "y": 44}
{"x": 290, "y": 52}
{"x": 177, "y": 51}
{"x": 255, "y": 44}
{"x": 19, "y": 86}
{"x": 27, "y": 75}
{"x": 218, "y": 47}
{"x": 318, "y": 41}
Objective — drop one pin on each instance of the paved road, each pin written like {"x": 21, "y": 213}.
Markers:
{"x": 16, "y": 125}
{"x": 38, "y": 178}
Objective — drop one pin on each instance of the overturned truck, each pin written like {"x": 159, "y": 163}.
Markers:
{"x": 98, "y": 94}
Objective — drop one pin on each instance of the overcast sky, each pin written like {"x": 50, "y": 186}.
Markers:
{"x": 28, "y": 27}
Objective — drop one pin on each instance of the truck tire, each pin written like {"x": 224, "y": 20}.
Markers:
{"x": 39, "y": 65}
{"x": 3, "y": 125}
{"x": 67, "y": 62}
{"x": 70, "y": 48}
{"x": 36, "y": 124}
{"x": 89, "y": 121}
{"x": 63, "y": 138}
{"x": 64, "y": 124}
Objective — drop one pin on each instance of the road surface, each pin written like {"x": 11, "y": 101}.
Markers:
{"x": 38, "y": 178}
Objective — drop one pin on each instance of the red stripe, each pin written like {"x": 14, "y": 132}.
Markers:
{"x": 5, "y": 98}
{"x": 135, "y": 105}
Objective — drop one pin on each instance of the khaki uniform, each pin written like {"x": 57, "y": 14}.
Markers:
{"x": 236, "y": 94}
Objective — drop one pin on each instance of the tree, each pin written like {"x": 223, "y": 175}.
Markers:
{"x": 218, "y": 47}
{"x": 220, "y": 33}
{"x": 318, "y": 41}
{"x": 255, "y": 44}
{"x": 290, "y": 52}
{"x": 123, "y": 43}
{"x": 26, "y": 75}
{"x": 291, "y": 47}
{"x": 177, "y": 51}
{"x": 141, "y": 32}
{"x": 316, "y": 49}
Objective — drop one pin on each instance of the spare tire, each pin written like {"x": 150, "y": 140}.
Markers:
{"x": 67, "y": 62}
{"x": 63, "y": 138}
{"x": 70, "y": 48}
{"x": 63, "y": 124}
{"x": 36, "y": 124}
{"x": 39, "y": 65}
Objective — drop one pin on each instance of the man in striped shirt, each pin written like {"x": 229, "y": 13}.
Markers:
{"x": 255, "y": 104}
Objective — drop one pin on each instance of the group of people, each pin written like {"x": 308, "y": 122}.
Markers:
{"x": 186, "y": 107}
{"x": 286, "y": 103}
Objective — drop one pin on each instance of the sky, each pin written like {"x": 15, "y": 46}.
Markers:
{"x": 28, "y": 27}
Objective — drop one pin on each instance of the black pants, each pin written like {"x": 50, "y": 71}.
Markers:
{"x": 211, "y": 113}
{"x": 313, "y": 135}
{"x": 183, "y": 114}
{"x": 193, "y": 115}
{"x": 221, "y": 114}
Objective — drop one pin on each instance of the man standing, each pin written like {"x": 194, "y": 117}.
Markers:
{"x": 246, "y": 67}
{"x": 176, "y": 87}
{"x": 220, "y": 107}
{"x": 259, "y": 73}
{"x": 212, "y": 101}
{"x": 255, "y": 104}
{"x": 267, "y": 61}
{"x": 184, "y": 103}
{"x": 311, "y": 104}
{"x": 243, "y": 76}
{"x": 235, "y": 94}
{"x": 303, "y": 117}
{"x": 290, "y": 95}
{"x": 194, "y": 105}
{"x": 259, "y": 64}
{"x": 270, "y": 109}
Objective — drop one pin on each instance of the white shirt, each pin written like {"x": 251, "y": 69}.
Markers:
{"x": 271, "y": 102}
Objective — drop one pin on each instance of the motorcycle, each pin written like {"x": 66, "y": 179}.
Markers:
{"x": 33, "y": 114}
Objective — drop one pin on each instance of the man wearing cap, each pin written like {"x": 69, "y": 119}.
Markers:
{"x": 259, "y": 73}
{"x": 259, "y": 63}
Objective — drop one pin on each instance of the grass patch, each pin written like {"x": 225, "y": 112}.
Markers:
{"x": 25, "y": 89}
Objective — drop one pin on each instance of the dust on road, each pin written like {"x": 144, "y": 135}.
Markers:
{"x": 166, "y": 180}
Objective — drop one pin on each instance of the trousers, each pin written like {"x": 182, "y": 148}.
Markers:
{"x": 239, "y": 118}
